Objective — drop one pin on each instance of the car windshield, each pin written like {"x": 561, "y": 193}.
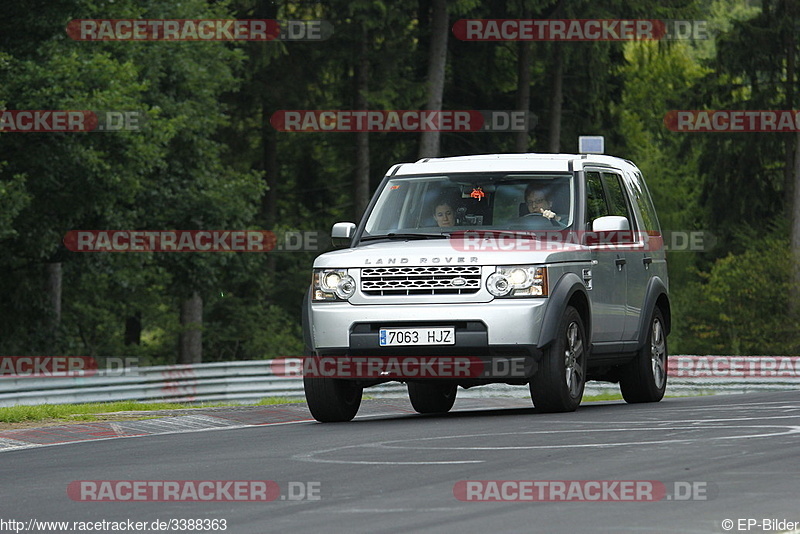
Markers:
{"x": 437, "y": 204}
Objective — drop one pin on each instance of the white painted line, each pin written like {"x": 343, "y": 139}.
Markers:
{"x": 312, "y": 457}
{"x": 382, "y": 510}
{"x": 8, "y": 444}
{"x": 366, "y": 462}
{"x": 792, "y": 430}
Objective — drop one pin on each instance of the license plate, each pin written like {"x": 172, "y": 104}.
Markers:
{"x": 393, "y": 337}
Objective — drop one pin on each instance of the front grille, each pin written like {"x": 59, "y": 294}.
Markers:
{"x": 433, "y": 280}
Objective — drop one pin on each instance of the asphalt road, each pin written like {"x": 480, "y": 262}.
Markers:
{"x": 707, "y": 459}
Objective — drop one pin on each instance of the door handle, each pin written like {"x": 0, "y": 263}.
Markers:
{"x": 620, "y": 262}
{"x": 647, "y": 260}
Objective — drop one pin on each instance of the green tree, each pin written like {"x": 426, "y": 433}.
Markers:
{"x": 748, "y": 297}
{"x": 170, "y": 175}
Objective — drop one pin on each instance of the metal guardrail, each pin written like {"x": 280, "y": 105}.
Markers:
{"x": 250, "y": 381}
{"x": 244, "y": 382}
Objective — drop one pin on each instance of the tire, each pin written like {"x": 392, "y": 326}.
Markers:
{"x": 432, "y": 397}
{"x": 332, "y": 400}
{"x": 558, "y": 384}
{"x": 645, "y": 378}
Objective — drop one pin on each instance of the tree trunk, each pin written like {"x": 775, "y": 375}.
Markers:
{"x": 269, "y": 163}
{"x": 191, "y": 337}
{"x": 523, "y": 90}
{"x": 791, "y": 157}
{"x": 556, "y": 100}
{"x": 792, "y": 177}
{"x": 361, "y": 185}
{"x": 54, "y": 280}
{"x": 133, "y": 329}
{"x": 264, "y": 90}
{"x": 266, "y": 9}
{"x": 437, "y": 60}
{"x": 795, "y": 233}
{"x": 269, "y": 206}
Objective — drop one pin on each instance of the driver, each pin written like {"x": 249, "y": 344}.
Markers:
{"x": 538, "y": 202}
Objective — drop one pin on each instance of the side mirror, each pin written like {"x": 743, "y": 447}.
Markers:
{"x": 609, "y": 230}
{"x": 610, "y": 223}
{"x": 342, "y": 233}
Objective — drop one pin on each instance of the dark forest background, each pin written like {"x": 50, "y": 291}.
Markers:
{"x": 208, "y": 158}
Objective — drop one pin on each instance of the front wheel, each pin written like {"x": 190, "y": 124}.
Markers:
{"x": 432, "y": 397}
{"x": 558, "y": 384}
{"x": 645, "y": 378}
{"x": 332, "y": 400}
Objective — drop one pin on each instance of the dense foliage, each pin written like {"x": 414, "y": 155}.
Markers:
{"x": 208, "y": 158}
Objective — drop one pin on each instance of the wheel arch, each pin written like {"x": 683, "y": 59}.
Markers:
{"x": 568, "y": 291}
{"x": 305, "y": 321}
{"x": 656, "y": 296}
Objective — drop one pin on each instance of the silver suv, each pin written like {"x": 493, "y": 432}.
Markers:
{"x": 545, "y": 270}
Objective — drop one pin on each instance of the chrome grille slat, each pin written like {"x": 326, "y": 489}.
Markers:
{"x": 432, "y": 280}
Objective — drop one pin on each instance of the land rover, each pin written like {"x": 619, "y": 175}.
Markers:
{"x": 545, "y": 270}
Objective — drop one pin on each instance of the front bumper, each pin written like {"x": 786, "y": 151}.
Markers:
{"x": 503, "y": 324}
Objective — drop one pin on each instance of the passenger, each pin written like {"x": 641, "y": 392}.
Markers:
{"x": 444, "y": 214}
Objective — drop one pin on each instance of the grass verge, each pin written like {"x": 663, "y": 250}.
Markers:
{"x": 88, "y": 412}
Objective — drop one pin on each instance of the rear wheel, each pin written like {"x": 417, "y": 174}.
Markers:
{"x": 432, "y": 397}
{"x": 332, "y": 400}
{"x": 558, "y": 384}
{"x": 645, "y": 378}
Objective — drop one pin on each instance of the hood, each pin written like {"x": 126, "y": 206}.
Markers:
{"x": 496, "y": 249}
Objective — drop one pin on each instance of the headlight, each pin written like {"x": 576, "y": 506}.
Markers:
{"x": 333, "y": 284}
{"x": 518, "y": 281}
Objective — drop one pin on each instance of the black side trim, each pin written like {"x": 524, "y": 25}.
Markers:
{"x": 655, "y": 290}
{"x": 566, "y": 287}
{"x": 305, "y": 321}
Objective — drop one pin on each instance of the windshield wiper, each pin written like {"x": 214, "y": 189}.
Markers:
{"x": 393, "y": 235}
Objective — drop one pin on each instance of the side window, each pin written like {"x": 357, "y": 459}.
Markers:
{"x": 645, "y": 203}
{"x": 596, "y": 205}
{"x": 617, "y": 204}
